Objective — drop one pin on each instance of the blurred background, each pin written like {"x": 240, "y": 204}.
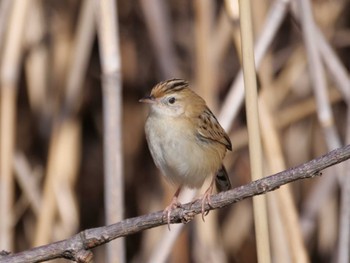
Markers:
{"x": 52, "y": 159}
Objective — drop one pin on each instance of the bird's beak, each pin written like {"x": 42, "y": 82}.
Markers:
{"x": 147, "y": 99}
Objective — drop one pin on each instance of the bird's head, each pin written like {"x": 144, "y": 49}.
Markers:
{"x": 173, "y": 98}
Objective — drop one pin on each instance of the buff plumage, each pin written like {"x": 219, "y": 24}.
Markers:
{"x": 185, "y": 139}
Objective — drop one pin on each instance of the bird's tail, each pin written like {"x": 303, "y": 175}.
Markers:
{"x": 222, "y": 181}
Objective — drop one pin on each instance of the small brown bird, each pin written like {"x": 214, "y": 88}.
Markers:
{"x": 185, "y": 139}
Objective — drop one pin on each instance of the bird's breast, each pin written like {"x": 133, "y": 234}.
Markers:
{"x": 177, "y": 151}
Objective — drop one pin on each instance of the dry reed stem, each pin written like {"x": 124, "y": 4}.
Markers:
{"x": 266, "y": 70}
{"x": 205, "y": 62}
{"x": 224, "y": 32}
{"x": 27, "y": 182}
{"x": 45, "y": 221}
{"x": 327, "y": 230}
{"x": 5, "y": 11}
{"x": 240, "y": 222}
{"x": 280, "y": 248}
{"x": 8, "y": 112}
{"x": 36, "y": 63}
{"x": 61, "y": 43}
{"x": 283, "y": 196}
{"x": 64, "y": 181}
{"x": 336, "y": 69}
{"x": 232, "y": 10}
{"x": 311, "y": 207}
{"x": 280, "y": 88}
{"x": 234, "y": 98}
{"x": 157, "y": 20}
{"x": 81, "y": 50}
{"x": 317, "y": 75}
{"x": 10, "y": 67}
{"x": 255, "y": 151}
{"x": 334, "y": 66}
{"x": 108, "y": 37}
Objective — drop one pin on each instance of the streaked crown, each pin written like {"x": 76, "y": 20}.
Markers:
{"x": 169, "y": 87}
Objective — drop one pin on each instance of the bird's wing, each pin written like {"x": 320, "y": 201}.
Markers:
{"x": 210, "y": 129}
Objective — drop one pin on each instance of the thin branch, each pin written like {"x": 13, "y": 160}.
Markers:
{"x": 76, "y": 247}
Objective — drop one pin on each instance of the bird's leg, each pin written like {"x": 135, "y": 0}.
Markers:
{"x": 206, "y": 198}
{"x": 174, "y": 204}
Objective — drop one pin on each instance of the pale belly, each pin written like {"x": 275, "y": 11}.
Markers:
{"x": 183, "y": 159}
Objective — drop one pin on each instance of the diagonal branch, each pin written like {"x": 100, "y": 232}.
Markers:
{"x": 77, "y": 247}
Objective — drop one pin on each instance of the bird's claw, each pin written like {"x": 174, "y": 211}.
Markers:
{"x": 167, "y": 211}
{"x": 205, "y": 200}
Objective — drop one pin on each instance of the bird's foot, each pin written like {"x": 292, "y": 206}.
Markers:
{"x": 173, "y": 205}
{"x": 206, "y": 199}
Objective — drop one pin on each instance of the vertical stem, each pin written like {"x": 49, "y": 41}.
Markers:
{"x": 283, "y": 196}
{"x": 82, "y": 48}
{"x": 157, "y": 19}
{"x": 234, "y": 98}
{"x": 255, "y": 151}
{"x": 317, "y": 75}
{"x": 112, "y": 113}
{"x": 8, "y": 113}
{"x": 9, "y": 77}
{"x": 205, "y": 66}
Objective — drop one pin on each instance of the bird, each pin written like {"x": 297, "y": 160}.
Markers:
{"x": 185, "y": 139}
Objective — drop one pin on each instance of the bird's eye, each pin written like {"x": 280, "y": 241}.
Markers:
{"x": 171, "y": 100}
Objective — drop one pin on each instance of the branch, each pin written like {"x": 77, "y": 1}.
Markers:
{"x": 77, "y": 247}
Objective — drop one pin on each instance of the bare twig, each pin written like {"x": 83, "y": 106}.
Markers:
{"x": 78, "y": 245}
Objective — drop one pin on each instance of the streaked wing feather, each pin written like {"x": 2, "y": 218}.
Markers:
{"x": 210, "y": 129}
